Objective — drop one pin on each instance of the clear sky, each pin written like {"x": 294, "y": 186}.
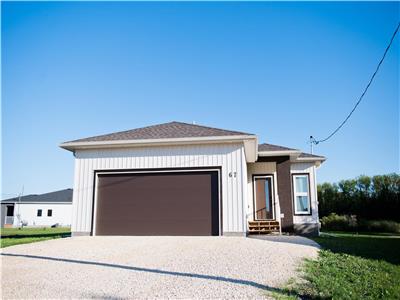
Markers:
{"x": 284, "y": 71}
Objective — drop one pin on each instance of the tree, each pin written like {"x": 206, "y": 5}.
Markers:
{"x": 369, "y": 198}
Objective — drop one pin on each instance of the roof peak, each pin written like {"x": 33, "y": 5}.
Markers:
{"x": 169, "y": 130}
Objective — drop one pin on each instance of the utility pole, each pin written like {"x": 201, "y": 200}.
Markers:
{"x": 312, "y": 142}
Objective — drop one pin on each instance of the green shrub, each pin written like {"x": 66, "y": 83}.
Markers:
{"x": 336, "y": 222}
{"x": 379, "y": 226}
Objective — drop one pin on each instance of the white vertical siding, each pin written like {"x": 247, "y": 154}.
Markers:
{"x": 243, "y": 190}
{"x": 308, "y": 168}
{"x": 230, "y": 157}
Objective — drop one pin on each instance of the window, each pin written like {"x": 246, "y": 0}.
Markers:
{"x": 10, "y": 211}
{"x": 39, "y": 212}
{"x": 302, "y": 205}
{"x": 49, "y": 212}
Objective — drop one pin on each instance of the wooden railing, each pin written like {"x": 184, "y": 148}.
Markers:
{"x": 278, "y": 213}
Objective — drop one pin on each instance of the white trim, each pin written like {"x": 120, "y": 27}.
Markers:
{"x": 315, "y": 185}
{"x": 146, "y": 142}
{"x": 250, "y": 149}
{"x": 301, "y": 194}
{"x": 316, "y": 160}
{"x": 302, "y": 159}
{"x": 36, "y": 202}
{"x": 294, "y": 153}
{"x": 250, "y": 143}
{"x": 158, "y": 171}
{"x": 272, "y": 195}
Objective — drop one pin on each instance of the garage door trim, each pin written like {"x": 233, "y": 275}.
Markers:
{"x": 165, "y": 170}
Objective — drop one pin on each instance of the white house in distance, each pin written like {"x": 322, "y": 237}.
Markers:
{"x": 185, "y": 179}
{"x": 38, "y": 210}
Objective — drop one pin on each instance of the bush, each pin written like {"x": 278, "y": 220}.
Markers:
{"x": 379, "y": 226}
{"x": 336, "y": 222}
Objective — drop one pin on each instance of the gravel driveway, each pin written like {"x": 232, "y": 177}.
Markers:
{"x": 151, "y": 267}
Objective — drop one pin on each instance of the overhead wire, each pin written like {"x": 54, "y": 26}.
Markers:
{"x": 315, "y": 141}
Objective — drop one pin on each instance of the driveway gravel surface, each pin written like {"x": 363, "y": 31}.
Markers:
{"x": 151, "y": 267}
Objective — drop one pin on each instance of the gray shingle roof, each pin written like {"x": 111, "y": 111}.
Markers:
{"x": 58, "y": 196}
{"x": 163, "y": 131}
{"x": 270, "y": 147}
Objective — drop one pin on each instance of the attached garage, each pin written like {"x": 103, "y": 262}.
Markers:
{"x": 185, "y": 179}
{"x": 166, "y": 202}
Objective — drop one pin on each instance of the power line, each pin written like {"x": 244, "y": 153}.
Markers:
{"x": 316, "y": 142}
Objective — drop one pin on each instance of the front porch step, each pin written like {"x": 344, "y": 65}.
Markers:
{"x": 263, "y": 227}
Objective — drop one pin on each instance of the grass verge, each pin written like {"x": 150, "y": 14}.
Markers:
{"x": 16, "y": 236}
{"x": 349, "y": 266}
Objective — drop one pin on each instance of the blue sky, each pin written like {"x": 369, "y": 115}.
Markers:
{"x": 284, "y": 71}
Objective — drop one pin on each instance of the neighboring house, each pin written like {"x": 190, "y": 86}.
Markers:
{"x": 38, "y": 210}
{"x": 185, "y": 179}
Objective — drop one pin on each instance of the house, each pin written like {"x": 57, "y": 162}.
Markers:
{"x": 38, "y": 210}
{"x": 185, "y": 179}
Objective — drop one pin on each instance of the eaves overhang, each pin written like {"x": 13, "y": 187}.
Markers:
{"x": 249, "y": 141}
{"x": 293, "y": 154}
{"x": 317, "y": 160}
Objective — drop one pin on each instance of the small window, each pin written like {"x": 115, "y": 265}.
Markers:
{"x": 39, "y": 212}
{"x": 10, "y": 211}
{"x": 49, "y": 212}
{"x": 302, "y": 205}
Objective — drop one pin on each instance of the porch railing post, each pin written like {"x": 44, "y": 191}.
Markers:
{"x": 278, "y": 214}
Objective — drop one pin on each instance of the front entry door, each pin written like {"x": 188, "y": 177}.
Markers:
{"x": 263, "y": 198}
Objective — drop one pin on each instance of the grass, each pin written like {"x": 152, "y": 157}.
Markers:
{"x": 350, "y": 266}
{"x": 16, "y": 236}
{"x": 370, "y": 246}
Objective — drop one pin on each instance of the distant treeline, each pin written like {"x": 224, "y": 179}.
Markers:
{"x": 369, "y": 198}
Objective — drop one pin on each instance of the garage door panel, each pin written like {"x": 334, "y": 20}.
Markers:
{"x": 184, "y": 203}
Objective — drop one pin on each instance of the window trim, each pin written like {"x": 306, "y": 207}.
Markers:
{"x": 50, "y": 211}
{"x": 39, "y": 214}
{"x": 295, "y": 194}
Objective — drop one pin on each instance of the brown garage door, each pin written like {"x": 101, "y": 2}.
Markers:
{"x": 179, "y": 203}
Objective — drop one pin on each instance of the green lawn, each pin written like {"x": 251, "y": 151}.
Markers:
{"x": 15, "y": 236}
{"x": 350, "y": 266}
{"x": 371, "y": 246}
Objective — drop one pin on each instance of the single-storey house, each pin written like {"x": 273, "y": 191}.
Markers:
{"x": 185, "y": 179}
{"x": 38, "y": 210}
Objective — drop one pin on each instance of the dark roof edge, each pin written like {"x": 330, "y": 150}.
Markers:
{"x": 56, "y": 197}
